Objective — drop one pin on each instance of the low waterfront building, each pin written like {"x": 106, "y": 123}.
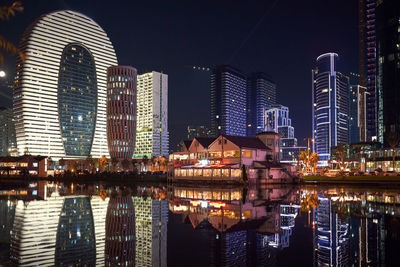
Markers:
{"x": 226, "y": 157}
{"x": 27, "y": 164}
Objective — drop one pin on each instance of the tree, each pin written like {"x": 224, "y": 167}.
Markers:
{"x": 164, "y": 162}
{"x": 145, "y": 159}
{"x": 314, "y": 158}
{"x": 61, "y": 162}
{"x": 90, "y": 162}
{"x": 75, "y": 165}
{"x": 303, "y": 156}
{"x": 154, "y": 162}
{"x": 102, "y": 163}
{"x": 5, "y": 13}
{"x": 126, "y": 164}
{"x": 341, "y": 153}
{"x": 393, "y": 140}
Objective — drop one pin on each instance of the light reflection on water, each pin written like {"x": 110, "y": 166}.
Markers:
{"x": 75, "y": 225}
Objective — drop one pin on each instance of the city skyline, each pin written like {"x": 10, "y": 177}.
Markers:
{"x": 266, "y": 49}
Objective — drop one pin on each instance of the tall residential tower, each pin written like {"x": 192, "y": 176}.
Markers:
{"x": 367, "y": 61}
{"x": 152, "y": 137}
{"x": 261, "y": 94}
{"x": 228, "y": 101}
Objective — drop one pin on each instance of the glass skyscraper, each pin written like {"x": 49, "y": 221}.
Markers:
{"x": 60, "y": 89}
{"x": 228, "y": 101}
{"x": 330, "y": 106}
{"x": 261, "y": 94}
{"x": 388, "y": 71}
{"x": 367, "y": 61}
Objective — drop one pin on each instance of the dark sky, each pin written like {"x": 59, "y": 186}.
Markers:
{"x": 279, "y": 37}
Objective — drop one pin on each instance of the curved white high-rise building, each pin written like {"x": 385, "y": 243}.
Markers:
{"x": 60, "y": 89}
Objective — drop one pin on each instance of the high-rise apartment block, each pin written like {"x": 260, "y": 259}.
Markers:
{"x": 197, "y": 131}
{"x": 228, "y": 101}
{"x": 276, "y": 118}
{"x": 261, "y": 94}
{"x": 367, "y": 62}
{"x": 121, "y": 111}
{"x": 388, "y": 68}
{"x": 152, "y": 137}
{"x": 330, "y": 106}
{"x": 60, "y": 89}
{"x": 7, "y": 132}
{"x": 357, "y": 114}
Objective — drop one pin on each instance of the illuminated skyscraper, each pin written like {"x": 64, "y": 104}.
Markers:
{"x": 388, "y": 68}
{"x": 276, "y": 118}
{"x": 60, "y": 89}
{"x": 357, "y": 114}
{"x": 151, "y": 231}
{"x": 367, "y": 61}
{"x": 261, "y": 94}
{"x": 330, "y": 106}
{"x": 228, "y": 101}
{"x": 152, "y": 136}
{"x": 121, "y": 111}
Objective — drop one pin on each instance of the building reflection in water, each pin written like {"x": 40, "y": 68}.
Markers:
{"x": 151, "y": 231}
{"x": 89, "y": 225}
{"x": 75, "y": 241}
{"x": 120, "y": 232}
{"x": 352, "y": 228}
{"x": 245, "y": 229}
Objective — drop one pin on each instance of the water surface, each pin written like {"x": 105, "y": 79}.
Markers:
{"x": 51, "y": 224}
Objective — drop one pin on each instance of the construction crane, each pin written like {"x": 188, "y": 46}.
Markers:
{"x": 198, "y": 68}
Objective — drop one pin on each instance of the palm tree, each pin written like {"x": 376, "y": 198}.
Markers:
{"x": 5, "y": 13}
{"x": 304, "y": 157}
{"x": 393, "y": 140}
{"x": 314, "y": 158}
{"x": 102, "y": 163}
{"x": 341, "y": 153}
{"x": 164, "y": 162}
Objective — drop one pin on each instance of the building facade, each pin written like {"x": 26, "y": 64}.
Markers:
{"x": 276, "y": 118}
{"x": 367, "y": 62}
{"x": 228, "y": 101}
{"x": 121, "y": 111}
{"x": 330, "y": 106}
{"x": 197, "y": 131}
{"x": 152, "y": 136}
{"x": 261, "y": 93}
{"x": 8, "y": 142}
{"x": 388, "y": 68}
{"x": 357, "y": 114}
{"x": 60, "y": 89}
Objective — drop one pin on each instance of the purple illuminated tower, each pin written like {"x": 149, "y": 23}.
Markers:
{"x": 121, "y": 111}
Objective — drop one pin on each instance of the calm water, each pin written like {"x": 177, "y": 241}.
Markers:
{"x": 45, "y": 224}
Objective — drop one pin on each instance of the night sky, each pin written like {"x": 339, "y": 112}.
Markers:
{"x": 279, "y": 37}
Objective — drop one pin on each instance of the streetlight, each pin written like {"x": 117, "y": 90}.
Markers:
{"x": 2, "y": 74}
